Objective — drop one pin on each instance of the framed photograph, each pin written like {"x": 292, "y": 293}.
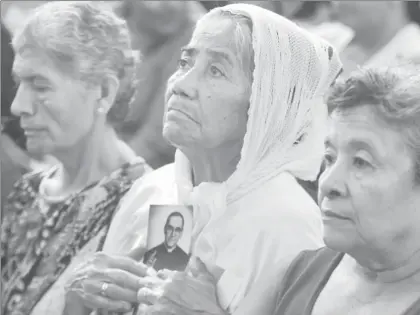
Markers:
{"x": 169, "y": 237}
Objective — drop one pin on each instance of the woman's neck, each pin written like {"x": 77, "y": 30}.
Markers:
{"x": 391, "y": 267}
{"x": 90, "y": 160}
{"x": 215, "y": 165}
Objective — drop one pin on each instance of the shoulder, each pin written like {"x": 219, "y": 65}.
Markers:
{"x": 156, "y": 248}
{"x": 180, "y": 251}
{"x": 286, "y": 218}
{"x": 284, "y": 190}
{"x": 284, "y": 206}
{"x": 307, "y": 269}
{"x": 154, "y": 187}
{"x": 131, "y": 171}
{"x": 311, "y": 260}
{"x": 160, "y": 177}
{"x": 136, "y": 169}
{"x": 26, "y": 188}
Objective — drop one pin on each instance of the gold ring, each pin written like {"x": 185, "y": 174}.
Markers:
{"x": 104, "y": 287}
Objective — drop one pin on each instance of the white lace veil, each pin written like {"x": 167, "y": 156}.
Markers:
{"x": 287, "y": 114}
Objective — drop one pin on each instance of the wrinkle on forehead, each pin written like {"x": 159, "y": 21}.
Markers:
{"x": 364, "y": 120}
{"x": 222, "y": 32}
{"x": 219, "y": 31}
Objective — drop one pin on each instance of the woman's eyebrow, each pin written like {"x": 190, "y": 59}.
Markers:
{"x": 190, "y": 51}
{"x": 214, "y": 53}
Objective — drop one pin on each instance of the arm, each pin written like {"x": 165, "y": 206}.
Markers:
{"x": 257, "y": 289}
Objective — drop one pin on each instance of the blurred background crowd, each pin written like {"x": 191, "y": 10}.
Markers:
{"x": 365, "y": 32}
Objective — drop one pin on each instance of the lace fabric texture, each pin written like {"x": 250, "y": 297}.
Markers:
{"x": 287, "y": 113}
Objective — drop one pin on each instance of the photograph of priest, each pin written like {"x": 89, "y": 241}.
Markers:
{"x": 168, "y": 255}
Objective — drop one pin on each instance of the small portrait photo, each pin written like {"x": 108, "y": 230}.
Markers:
{"x": 169, "y": 237}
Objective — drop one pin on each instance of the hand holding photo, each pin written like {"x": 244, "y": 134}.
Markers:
{"x": 169, "y": 237}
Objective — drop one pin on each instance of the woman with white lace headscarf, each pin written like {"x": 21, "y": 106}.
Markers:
{"x": 245, "y": 110}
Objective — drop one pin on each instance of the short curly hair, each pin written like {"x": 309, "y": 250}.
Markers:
{"x": 87, "y": 41}
{"x": 393, "y": 93}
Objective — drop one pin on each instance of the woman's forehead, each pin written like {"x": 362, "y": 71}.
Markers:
{"x": 29, "y": 62}
{"x": 218, "y": 32}
{"x": 362, "y": 125}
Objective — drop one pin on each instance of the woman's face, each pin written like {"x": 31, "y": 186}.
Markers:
{"x": 207, "y": 97}
{"x": 368, "y": 195}
{"x": 55, "y": 111}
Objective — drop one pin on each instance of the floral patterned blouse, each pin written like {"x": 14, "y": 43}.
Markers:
{"x": 41, "y": 236}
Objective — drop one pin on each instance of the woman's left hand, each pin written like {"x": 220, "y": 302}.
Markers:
{"x": 181, "y": 293}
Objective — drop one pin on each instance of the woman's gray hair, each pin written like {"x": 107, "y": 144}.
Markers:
{"x": 86, "y": 41}
{"x": 393, "y": 94}
{"x": 242, "y": 38}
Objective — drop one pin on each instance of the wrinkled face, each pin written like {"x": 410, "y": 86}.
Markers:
{"x": 360, "y": 15}
{"x": 56, "y": 112}
{"x": 208, "y": 96}
{"x": 173, "y": 231}
{"x": 368, "y": 196}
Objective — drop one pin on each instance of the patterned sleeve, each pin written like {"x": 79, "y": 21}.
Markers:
{"x": 18, "y": 199}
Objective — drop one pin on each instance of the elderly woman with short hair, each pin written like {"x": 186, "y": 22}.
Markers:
{"x": 75, "y": 71}
{"x": 370, "y": 199}
{"x": 245, "y": 110}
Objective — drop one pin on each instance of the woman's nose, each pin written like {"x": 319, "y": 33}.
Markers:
{"x": 332, "y": 181}
{"x": 22, "y": 103}
{"x": 187, "y": 84}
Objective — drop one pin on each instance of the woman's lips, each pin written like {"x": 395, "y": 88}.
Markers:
{"x": 182, "y": 112}
{"x": 333, "y": 215}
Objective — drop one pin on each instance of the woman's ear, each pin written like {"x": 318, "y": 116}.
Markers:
{"x": 108, "y": 93}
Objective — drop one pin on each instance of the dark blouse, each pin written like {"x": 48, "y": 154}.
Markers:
{"x": 307, "y": 277}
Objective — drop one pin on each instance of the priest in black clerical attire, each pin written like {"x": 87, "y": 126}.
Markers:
{"x": 169, "y": 255}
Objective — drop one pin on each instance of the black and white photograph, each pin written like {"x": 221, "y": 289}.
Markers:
{"x": 169, "y": 237}
{"x": 291, "y": 127}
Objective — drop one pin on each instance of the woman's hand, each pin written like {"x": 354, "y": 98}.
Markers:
{"x": 107, "y": 282}
{"x": 182, "y": 293}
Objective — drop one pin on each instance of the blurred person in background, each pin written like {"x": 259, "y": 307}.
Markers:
{"x": 159, "y": 29}
{"x": 312, "y": 13}
{"x": 75, "y": 73}
{"x": 384, "y": 32}
{"x": 284, "y": 8}
{"x": 14, "y": 161}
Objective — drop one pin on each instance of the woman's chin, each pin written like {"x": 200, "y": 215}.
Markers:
{"x": 337, "y": 241}
{"x": 177, "y": 136}
{"x": 36, "y": 150}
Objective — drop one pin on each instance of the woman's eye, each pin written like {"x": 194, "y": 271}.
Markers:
{"x": 40, "y": 88}
{"x": 216, "y": 72}
{"x": 361, "y": 163}
{"x": 182, "y": 63}
{"x": 328, "y": 159}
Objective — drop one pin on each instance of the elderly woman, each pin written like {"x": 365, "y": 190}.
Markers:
{"x": 370, "y": 199}
{"x": 245, "y": 110}
{"x": 74, "y": 70}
